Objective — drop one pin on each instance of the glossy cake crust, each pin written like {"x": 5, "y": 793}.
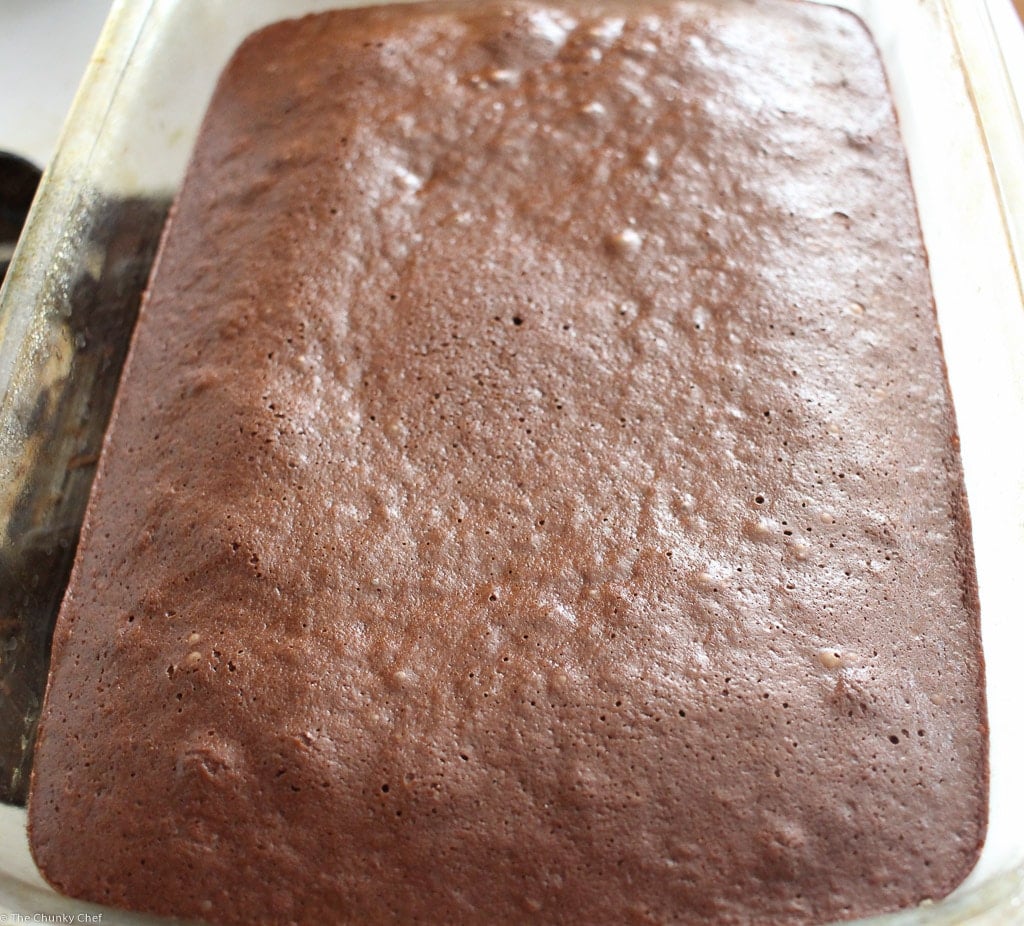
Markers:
{"x": 533, "y": 494}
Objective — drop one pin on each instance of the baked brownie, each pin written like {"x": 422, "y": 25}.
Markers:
{"x": 533, "y": 494}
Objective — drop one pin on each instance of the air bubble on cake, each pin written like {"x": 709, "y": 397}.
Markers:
{"x": 403, "y": 678}
{"x": 761, "y": 530}
{"x": 651, "y": 159}
{"x": 683, "y": 504}
{"x": 830, "y": 657}
{"x": 546, "y": 25}
{"x": 626, "y": 242}
{"x": 800, "y": 551}
{"x": 638, "y": 90}
{"x": 607, "y": 30}
{"x": 644, "y": 49}
{"x": 707, "y": 580}
{"x": 495, "y": 77}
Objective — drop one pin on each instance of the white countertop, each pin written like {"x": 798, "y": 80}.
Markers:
{"x": 44, "y": 48}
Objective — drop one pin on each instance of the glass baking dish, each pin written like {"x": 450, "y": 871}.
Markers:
{"x": 70, "y": 298}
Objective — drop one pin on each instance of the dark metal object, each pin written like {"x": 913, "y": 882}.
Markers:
{"x": 66, "y": 426}
{"x": 18, "y": 182}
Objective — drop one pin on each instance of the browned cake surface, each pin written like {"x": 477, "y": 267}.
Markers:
{"x": 533, "y": 495}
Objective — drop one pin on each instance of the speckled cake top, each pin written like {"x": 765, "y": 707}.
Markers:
{"x": 533, "y": 494}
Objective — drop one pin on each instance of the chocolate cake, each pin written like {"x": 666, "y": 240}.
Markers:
{"x": 533, "y": 493}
